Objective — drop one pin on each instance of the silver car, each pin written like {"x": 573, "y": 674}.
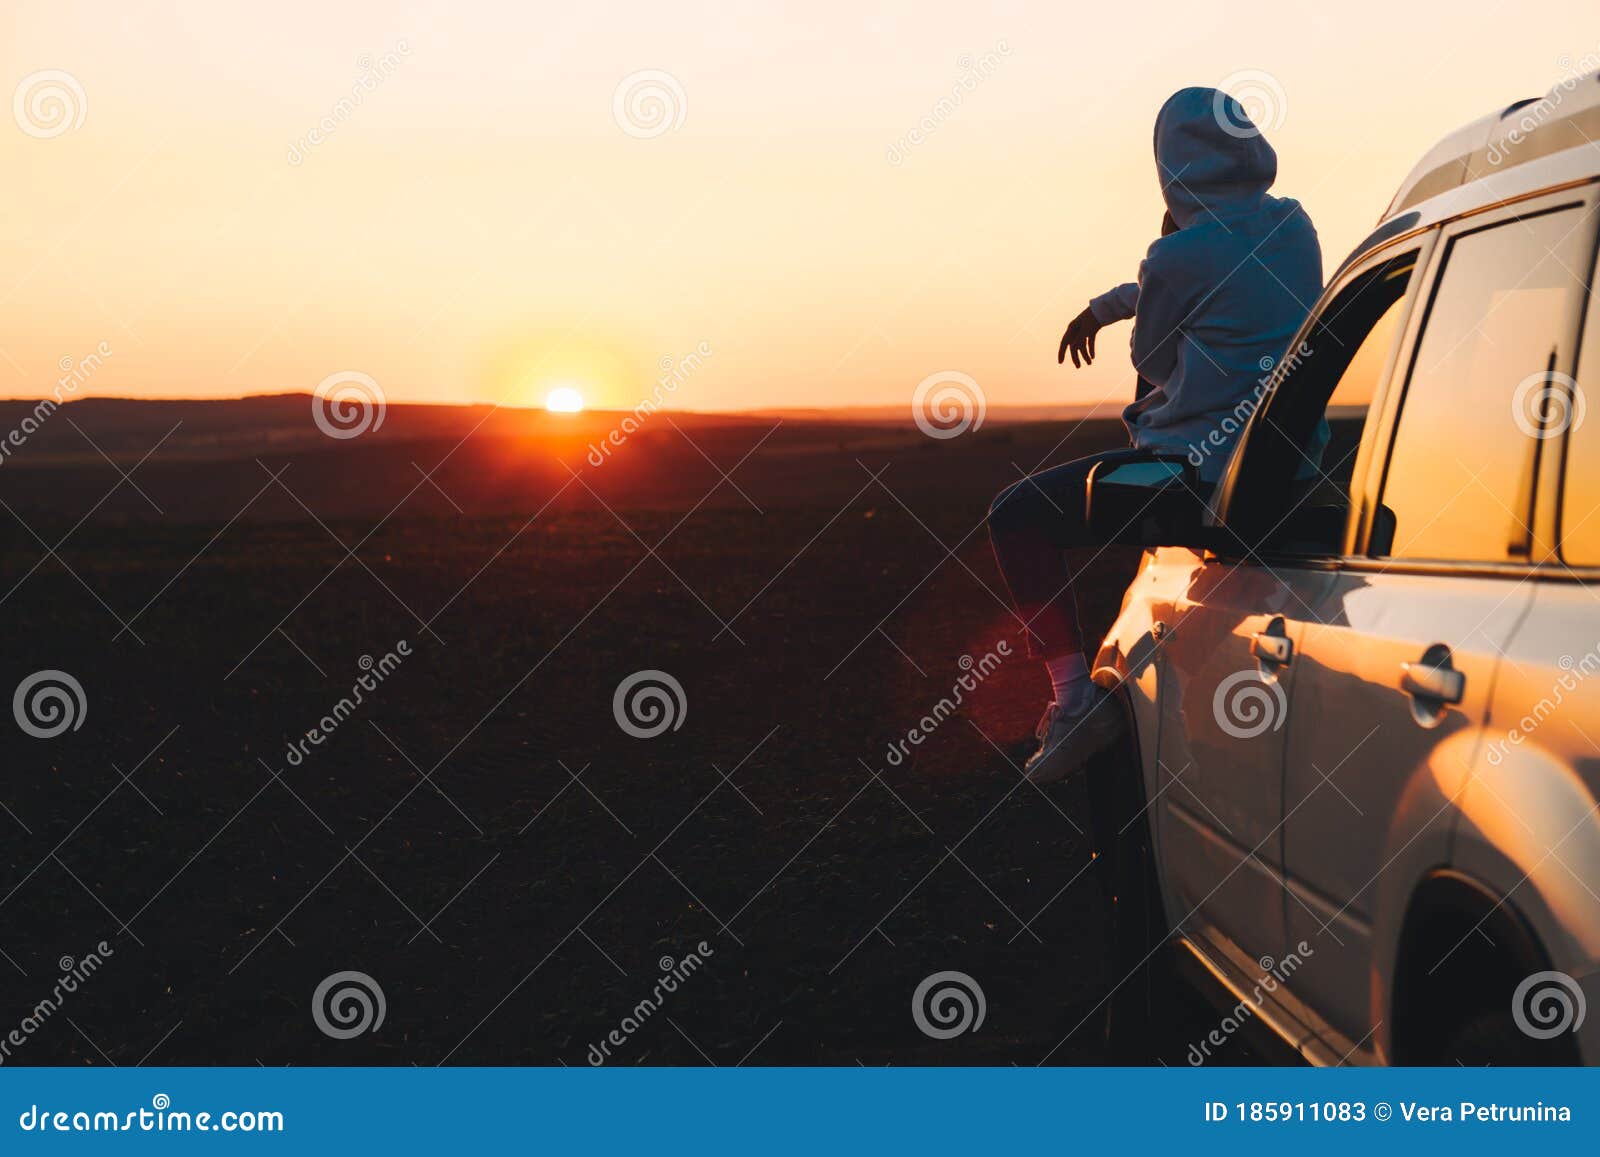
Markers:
{"x": 1362, "y": 686}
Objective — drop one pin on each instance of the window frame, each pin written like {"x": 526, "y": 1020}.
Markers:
{"x": 1547, "y": 481}
{"x": 1423, "y": 242}
{"x": 1560, "y": 450}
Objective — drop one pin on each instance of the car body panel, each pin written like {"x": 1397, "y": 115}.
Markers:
{"x": 1530, "y": 818}
{"x": 1364, "y": 756}
{"x": 1221, "y": 750}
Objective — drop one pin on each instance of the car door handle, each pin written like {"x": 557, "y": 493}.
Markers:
{"x": 1271, "y": 648}
{"x": 1439, "y": 684}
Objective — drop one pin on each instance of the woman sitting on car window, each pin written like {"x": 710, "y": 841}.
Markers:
{"x": 1219, "y": 295}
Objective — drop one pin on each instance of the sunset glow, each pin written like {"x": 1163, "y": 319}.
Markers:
{"x": 564, "y": 400}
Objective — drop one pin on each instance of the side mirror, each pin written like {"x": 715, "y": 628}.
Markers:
{"x": 1156, "y": 501}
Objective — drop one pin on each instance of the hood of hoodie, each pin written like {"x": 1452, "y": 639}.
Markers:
{"x": 1210, "y": 158}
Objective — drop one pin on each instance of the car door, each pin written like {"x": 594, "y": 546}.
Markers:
{"x": 1224, "y": 701}
{"x": 1229, "y": 672}
{"x": 1395, "y": 666}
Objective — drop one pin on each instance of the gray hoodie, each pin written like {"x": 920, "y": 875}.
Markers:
{"x": 1216, "y": 302}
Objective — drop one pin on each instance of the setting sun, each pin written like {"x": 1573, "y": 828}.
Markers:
{"x": 563, "y": 400}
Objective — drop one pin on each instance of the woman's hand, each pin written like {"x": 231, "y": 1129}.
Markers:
{"x": 1079, "y": 338}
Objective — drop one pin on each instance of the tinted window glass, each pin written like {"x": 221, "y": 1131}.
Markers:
{"x": 1353, "y": 394}
{"x": 1292, "y": 485}
{"x": 1460, "y": 476}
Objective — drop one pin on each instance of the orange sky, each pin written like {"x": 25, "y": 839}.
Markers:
{"x": 485, "y": 224}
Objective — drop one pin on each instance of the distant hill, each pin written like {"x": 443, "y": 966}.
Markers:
{"x": 245, "y": 427}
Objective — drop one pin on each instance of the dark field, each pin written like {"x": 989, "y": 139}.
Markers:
{"x": 479, "y": 835}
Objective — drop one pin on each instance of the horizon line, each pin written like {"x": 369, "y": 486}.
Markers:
{"x": 780, "y": 408}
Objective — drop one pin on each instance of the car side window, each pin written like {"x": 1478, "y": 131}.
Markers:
{"x": 1459, "y": 483}
{"x": 1347, "y": 408}
{"x": 1566, "y": 406}
{"x": 1296, "y": 466}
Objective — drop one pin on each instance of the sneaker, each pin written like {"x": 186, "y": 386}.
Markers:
{"x": 1069, "y": 740}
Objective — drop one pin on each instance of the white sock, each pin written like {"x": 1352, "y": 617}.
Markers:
{"x": 1069, "y": 677}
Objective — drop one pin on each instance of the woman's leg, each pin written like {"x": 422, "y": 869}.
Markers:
{"x": 1036, "y": 526}
{"x": 1033, "y": 525}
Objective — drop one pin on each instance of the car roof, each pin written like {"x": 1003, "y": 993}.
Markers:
{"x": 1532, "y": 144}
{"x": 1500, "y": 143}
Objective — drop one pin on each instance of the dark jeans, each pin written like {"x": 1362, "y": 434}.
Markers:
{"x": 1041, "y": 542}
